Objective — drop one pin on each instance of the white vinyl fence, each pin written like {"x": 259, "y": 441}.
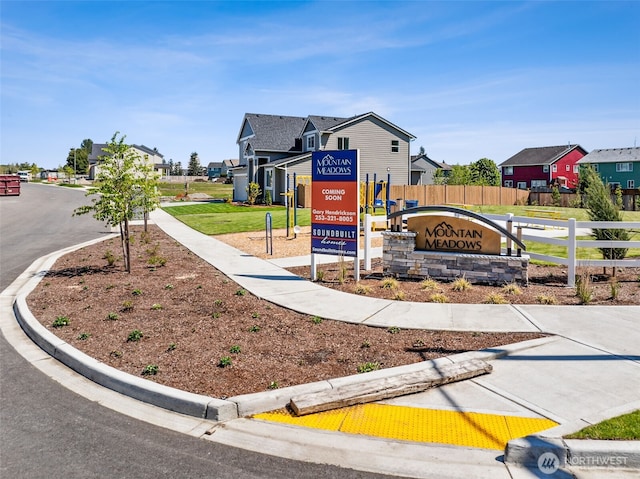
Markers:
{"x": 565, "y": 234}
{"x": 571, "y": 226}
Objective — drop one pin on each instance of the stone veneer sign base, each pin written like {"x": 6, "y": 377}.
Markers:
{"x": 402, "y": 260}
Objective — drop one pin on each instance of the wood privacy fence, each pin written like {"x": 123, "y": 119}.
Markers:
{"x": 630, "y": 199}
{"x": 427, "y": 195}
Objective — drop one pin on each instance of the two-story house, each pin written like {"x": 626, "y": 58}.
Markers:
{"x": 152, "y": 155}
{"x": 616, "y": 166}
{"x": 219, "y": 169}
{"x": 273, "y": 147}
{"x": 543, "y": 167}
{"x": 423, "y": 168}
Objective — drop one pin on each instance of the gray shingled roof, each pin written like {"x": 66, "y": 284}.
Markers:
{"x": 419, "y": 163}
{"x": 323, "y": 123}
{"x": 274, "y": 132}
{"x": 545, "y": 155}
{"x": 613, "y": 155}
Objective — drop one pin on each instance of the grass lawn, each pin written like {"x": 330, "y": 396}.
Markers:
{"x": 578, "y": 213}
{"x": 222, "y": 218}
{"x": 621, "y": 428}
{"x": 215, "y": 190}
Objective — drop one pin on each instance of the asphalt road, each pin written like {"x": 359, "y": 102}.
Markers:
{"x": 47, "y": 431}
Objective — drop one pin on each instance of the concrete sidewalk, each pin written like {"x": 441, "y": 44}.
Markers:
{"x": 588, "y": 371}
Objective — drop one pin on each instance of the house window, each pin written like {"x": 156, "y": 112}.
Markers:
{"x": 507, "y": 170}
{"x": 596, "y": 168}
{"x": 311, "y": 142}
{"x": 268, "y": 179}
{"x": 620, "y": 167}
{"x": 545, "y": 168}
{"x": 508, "y": 183}
{"x": 522, "y": 185}
{"x": 343, "y": 143}
{"x": 538, "y": 183}
{"x": 576, "y": 168}
{"x": 631, "y": 184}
{"x": 554, "y": 168}
{"x": 568, "y": 168}
{"x": 395, "y": 146}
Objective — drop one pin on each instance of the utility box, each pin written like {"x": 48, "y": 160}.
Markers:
{"x": 9, "y": 185}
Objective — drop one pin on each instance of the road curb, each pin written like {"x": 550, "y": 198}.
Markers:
{"x": 531, "y": 452}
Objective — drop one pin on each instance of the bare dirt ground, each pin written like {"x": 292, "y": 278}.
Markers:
{"x": 178, "y": 321}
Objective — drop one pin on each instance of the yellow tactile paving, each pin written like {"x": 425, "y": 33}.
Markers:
{"x": 488, "y": 431}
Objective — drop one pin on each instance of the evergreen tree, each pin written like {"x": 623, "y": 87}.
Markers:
{"x": 601, "y": 208}
{"x": 194, "y": 168}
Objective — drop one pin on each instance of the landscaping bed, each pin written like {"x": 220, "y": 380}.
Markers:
{"x": 178, "y": 321}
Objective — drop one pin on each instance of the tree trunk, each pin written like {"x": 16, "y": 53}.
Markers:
{"x": 122, "y": 242}
{"x": 126, "y": 246}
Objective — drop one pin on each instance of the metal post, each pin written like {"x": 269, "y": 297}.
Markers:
{"x": 269, "y": 233}
{"x": 367, "y": 242}
{"x": 286, "y": 202}
{"x": 295, "y": 204}
{"x": 510, "y": 230}
{"x": 366, "y": 194}
{"x": 571, "y": 253}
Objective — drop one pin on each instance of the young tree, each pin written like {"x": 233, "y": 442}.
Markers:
{"x": 601, "y": 208}
{"x": 170, "y": 169}
{"x": 122, "y": 188}
{"x": 194, "y": 168}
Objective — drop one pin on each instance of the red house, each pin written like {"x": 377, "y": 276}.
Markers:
{"x": 543, "y": 167}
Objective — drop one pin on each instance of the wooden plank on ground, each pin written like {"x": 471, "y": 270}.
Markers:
{"x": 385, "y": 388}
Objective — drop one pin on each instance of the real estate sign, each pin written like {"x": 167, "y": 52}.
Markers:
{"x": 335, "y": 202}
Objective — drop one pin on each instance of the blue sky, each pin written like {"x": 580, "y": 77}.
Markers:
{"x": 468, "y": 79}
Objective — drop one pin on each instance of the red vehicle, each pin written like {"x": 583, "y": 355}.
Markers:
{"x": 9, "y": 185}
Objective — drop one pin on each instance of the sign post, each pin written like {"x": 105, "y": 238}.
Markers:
{"x": 335, "y": 206}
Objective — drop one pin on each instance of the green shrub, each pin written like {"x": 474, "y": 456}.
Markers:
{"x": 135, "y": 335}
{"x": 60, "y": 322}
{"x": 150, "y": 370}
{"x": 224, "y": 362}
{"x": 368, "y": 367}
